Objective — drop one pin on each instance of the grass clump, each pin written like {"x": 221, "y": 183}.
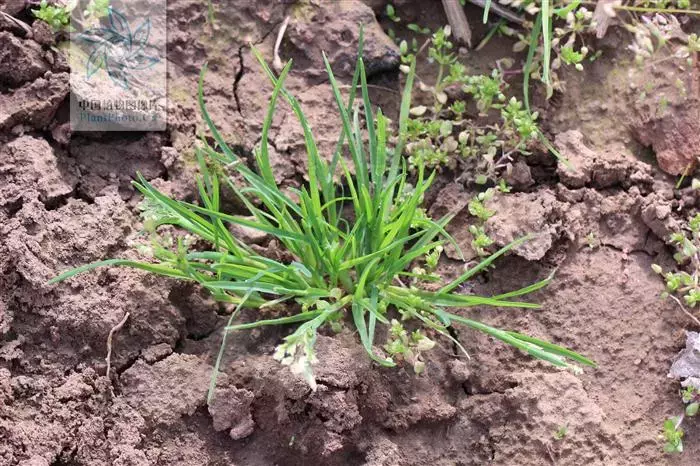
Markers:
{"x": 345, "y": 264}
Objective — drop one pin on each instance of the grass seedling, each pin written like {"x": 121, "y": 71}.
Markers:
{"x": 346, "y": 268}
{"x": 210, "y": 12}
{"x": 560, "y": 433}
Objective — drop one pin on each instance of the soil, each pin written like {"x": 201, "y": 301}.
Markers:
{"x": 66, "y": 200}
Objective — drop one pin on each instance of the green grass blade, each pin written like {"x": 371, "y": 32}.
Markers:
{"x": 222, "y": 347}
{"x": 301, "y": 317}
{"x": 555, "y": 349}
{"x": 487, "y": 7}
{"x": 369, "y": 119}
{"x": 264, "y": 158}
{"x": 153, "y": 268}
{"x": 359, "y": 319}
{"x": 483, "y": 264}
{"x": 534, "y": 42}
{"x": 527, "y": 289}
{"x": 550, "y": 147}
{"x": 458, "y": 300}
{"x": 403, "y": 119}
{"x": 207, "y": 119}
{"x": 538, "y": 348}
{"x": 351, "y": 99}
{"x": 546, "y": 44}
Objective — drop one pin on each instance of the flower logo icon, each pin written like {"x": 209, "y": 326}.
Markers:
{"x": 119, "y": 50}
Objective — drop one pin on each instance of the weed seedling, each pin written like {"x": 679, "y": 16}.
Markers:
{"x": 210, "y": 12}
{"x": 343, "y": 268}
{"x": 561, "y": 432}
{"x": 685, "y": 285}
{"x": 682, "y": 283}
{"x": 96, "y": 9}
{"x": 444, "y": 135}
{"x": 391, "y": 13}
{"x": 673, "y": 435}
{"x": 57, "y": 16}
{"x": 673, "y": 432}
{"x": 592, "y": 241}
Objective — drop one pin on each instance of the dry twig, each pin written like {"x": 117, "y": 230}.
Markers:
{"x": 114, "y": 330}
{"x": 678, "y": 301}
{"x": 276, "y": 60}
{"x": 458, "y": 21}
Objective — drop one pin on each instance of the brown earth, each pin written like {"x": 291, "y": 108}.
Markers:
{"x": 66, "y": 200}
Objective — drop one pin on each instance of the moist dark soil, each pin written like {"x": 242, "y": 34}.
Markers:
{"x": 66, "y": 199}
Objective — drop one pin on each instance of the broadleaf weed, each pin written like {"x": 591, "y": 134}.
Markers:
{"x": 57, "y": 16}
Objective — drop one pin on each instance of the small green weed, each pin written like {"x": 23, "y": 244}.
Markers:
{"x": 561, "y": 432}
{"x": 682, "y": 283}
{"x": 592, "y": 241}
{"x": 343, "y": 266}
{"x": 673, "y": 435}
{"x": 672, "y": 431}
{"x": 57, "y": 16}
{"x": 444, "y": 134}
{"x": 210, "y": 13}
{"x": 477, "y": 208}
{"x": 391, "y": 13}
{"x": 685, "y": 285}
{"x": 96, "y": 9}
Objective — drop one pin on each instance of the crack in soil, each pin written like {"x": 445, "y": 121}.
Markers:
{"x": 13, "y": 207}
{"x": 237, "y": 79}
{"x": 493, "y": 442}
{"x": 127, "y": 365}
{"x": 241, "y": 65}
{"x": 628, "y": 252}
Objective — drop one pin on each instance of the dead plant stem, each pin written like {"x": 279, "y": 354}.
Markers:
{"x": 114, "y": 330}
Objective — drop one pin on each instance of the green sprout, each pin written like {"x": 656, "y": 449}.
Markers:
{"x": 561, "y": 432}
{"x": 96, "y": 9}
{"x": 211, "y": 12}
{"x": 572, "y": 57}
{"x": 487, "y": 91}
{"x": 673, "y": 435}
{"x": 57, "y": 16}
{"x": 682, "y": 283}
{"x": 341, "y": 267}
{"x": 673, "y": 432}
{"x": 418, "y": 29}
{"x": 592, "y": 240}
{"x": 391, "y": 13}
{"x": 433, "y": 257}
{"x": 481, "y": 241}
{"x": 477, "y": 207}
{"x": 401, "y": 345}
